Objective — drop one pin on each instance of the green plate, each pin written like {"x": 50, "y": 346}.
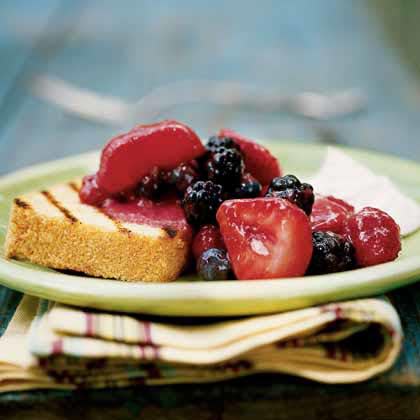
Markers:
{"x": 190, "y": 297}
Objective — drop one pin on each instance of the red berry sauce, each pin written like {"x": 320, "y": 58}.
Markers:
{"x": 166, "y": 214}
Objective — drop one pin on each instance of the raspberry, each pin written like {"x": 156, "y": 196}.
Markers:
{"x": 331, "y": 253}
{"x": 375, "y": 236}
{"x": 330, "y": 214}
{"x": 248, "y": 188}
{"x": 225, "y": 167}
{"x": 207, "y": 237}
{"x": 201, "y": 201}
{"x": 290, "y": 188}
{"x": 90, "y": 193}
{"x": 214, "y": 264}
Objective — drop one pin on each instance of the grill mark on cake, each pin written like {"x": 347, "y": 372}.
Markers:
{"x": 74, "y": 187}
{"x": 116, "y": 222}
{"x": 170, "y": 231}
{"x": 22, "y": 204}
{"x": 66, "y": 213}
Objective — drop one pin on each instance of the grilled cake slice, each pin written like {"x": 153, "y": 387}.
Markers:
{"x": 53, "y": 228}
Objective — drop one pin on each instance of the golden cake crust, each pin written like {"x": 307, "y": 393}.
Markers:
{"x": 52, "y": 228}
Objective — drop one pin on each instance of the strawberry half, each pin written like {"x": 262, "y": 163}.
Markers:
{"x": 258, "y": 160}
{"x": 127, "y": 158}
{"x": 266, "y": 238}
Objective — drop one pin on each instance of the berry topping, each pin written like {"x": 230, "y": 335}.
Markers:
{"x": 290, "y": 188}
{"x": 331, "y": 253}
{"x": 182, "y": 176}
{"x": 330, "y": 214}
{"x": 90, "y": 193}
{"x": 258, "y": 160}
{"x": 151, "y": 185}
{"x": 375, "y": 236}
{"x": 265, "y": 238}
{"x": 225, "y": 167}
{"x": 201, "y": 201}
{"x": 207, "y": 237}
{"x": 127, "y": 158}
{"x": 214, "y": 264}
{"x": 248, "y": 188}
{"x": 215, "y": 143}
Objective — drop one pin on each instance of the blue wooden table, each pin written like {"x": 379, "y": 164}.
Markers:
{"x": 128, "y": 48}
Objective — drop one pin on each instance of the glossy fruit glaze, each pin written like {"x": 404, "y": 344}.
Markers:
{"x": 330, "y": 214}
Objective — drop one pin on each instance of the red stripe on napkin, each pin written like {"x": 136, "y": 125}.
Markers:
{"x": 89, "y": 325}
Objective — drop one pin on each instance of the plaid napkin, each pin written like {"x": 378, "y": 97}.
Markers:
{"x": 48, "y": 345}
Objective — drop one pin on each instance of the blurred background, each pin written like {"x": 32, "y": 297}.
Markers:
{"x": 67, "y": 68}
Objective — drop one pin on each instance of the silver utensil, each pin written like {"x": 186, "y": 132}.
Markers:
{"x": 115, "y": 111}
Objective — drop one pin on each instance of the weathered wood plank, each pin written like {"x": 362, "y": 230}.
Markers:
{"x": 294, "y": 46}
{"x": 19, "y": 33}
{"x": 407, "y": 370}
{"x": 263, "y": 397}
{"x": 9, "y": 299}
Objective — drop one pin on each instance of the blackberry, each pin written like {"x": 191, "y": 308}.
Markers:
{"x": 182, "y": 176}
{"x": 225, "y": 167}
{"x": 201, "y": 201}
{"x": 214, "y": 264}
{"x": 151, "y": 185}
{"x": 215, "y": 143}
{"x": 331, "y": 253}
{"x": 290, "y": 188}
{"x": 248, "y": 188}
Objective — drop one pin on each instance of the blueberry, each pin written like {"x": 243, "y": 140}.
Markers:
{"x": 290, "y": 188}
{"x": 214, "y": 264}
{"x": 248, "y": 188}
{"x": 331, "y": 253}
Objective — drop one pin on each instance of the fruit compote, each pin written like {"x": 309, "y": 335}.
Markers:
{"x": 127, "y": 159}
{"x": 249, "y": 220}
